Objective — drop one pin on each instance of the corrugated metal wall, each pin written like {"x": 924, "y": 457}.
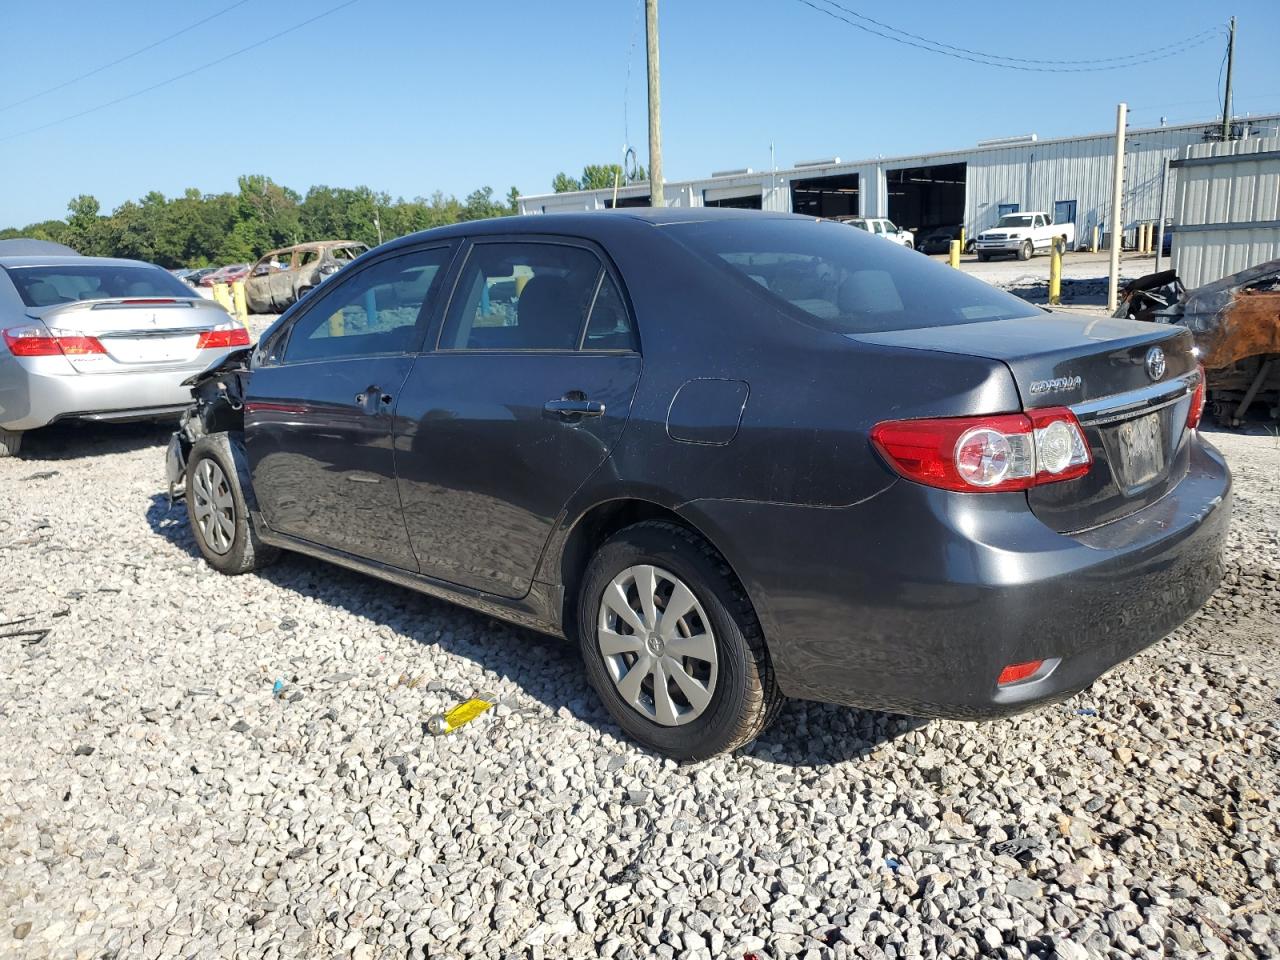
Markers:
{"x": 1227, "y": 214}
{"x": 1034, "y": 175}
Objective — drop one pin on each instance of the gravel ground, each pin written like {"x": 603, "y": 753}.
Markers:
{"x": 159, "y": 798}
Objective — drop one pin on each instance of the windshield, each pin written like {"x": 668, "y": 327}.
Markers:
{"x": 844, "y": 280}
{"x": 1015, "y": 220}
{"x": 47, "y": 286}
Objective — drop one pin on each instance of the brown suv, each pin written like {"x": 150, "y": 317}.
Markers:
{"x": 283, "y": 276}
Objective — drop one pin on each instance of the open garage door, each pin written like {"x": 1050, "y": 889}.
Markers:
{"x": 826, "y": 196}
{"x": 743, "y": 198}
{"x": 924, "y": 199}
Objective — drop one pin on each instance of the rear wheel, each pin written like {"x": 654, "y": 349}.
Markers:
{"x": 10, "y": 442}
{"x": 672, "y": 644}
{"x": 216, "y": 508}
{"x": 1026, "y": 250}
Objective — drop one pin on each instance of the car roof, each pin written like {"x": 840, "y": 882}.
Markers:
{"x": 70, "y": 261}
{"x": 591, "y": 224}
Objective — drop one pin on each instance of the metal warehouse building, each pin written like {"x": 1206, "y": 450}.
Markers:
{"x": 1069, "y": 177}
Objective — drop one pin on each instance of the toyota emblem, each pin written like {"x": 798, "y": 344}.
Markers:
{"x": 1155, "y": 363}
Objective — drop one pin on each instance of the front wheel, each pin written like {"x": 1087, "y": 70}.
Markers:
{"x": 217, "y": 511}
{"x": 672, "y": 644}
{"x": 1027, "y": 249}
{"x": 10, "y": 442}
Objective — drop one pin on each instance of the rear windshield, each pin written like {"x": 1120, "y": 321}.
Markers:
{"x": 845, "y": 280}
{"x": 52, "y": 285}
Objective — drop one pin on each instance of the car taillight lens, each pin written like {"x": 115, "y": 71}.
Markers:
{"x": 1197, "y": 401}
{"x": 37, "y": 341}
{"x": 1016, "y": 672}
{"x": 226, "y": 335}
{"x": 1012, "y": 451}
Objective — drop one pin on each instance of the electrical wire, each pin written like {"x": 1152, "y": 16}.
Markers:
{"x": 1142, "y": 55}
{"x": 128, "y": 56}
{"x": 180, "y": 76}
{"x": 992, "y": 60}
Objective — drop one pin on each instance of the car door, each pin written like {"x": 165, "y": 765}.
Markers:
{"x": 320, "y": 408}
{"x": 526, "y": 392}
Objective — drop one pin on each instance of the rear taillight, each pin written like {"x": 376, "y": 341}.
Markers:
{"x": 1017, "y": 672}
{"x": 37, "y": 341}
{"x": 221, "y": 337}
{"x": 1197, "y": 402}
{"x": 1012, "y": 451}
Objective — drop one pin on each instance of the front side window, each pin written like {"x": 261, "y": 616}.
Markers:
{"x": 842, "y": 281}
{"x": 535, "y": 296}
{"x": 379, "y": 310}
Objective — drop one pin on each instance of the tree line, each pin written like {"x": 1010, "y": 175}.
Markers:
{"x": 197, "y": 229}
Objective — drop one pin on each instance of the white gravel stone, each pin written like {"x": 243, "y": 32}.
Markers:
{"x": 156, "y": 798}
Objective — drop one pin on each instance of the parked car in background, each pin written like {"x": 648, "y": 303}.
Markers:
{"x": 181, "y": 272}
{"x": 195, "y": 276}
{"x": 1022, "y": 234}
{"x": 892, "y": 485}
{"x": 100, "y": 339}
{"x": 939, "y": 241}
{"x": 284, "y": 276}
{"x": 883, "y": 228}
{"x": 227, "y": 274}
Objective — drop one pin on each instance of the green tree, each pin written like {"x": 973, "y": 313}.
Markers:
{"x": 563, "y": 183}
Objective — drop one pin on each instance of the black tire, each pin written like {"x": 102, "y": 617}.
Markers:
{"x": 745, "y": 698}
{"x": 10, "y": 442}
{"x": 984, "y": 257}
{"x": 245, "y": 551}
{"x": 1026, "y": 251}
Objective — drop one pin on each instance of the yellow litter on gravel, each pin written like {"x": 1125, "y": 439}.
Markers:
{"x": 464, "y": 712}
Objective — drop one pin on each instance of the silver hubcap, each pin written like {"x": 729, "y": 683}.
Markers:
{"x": 657, "y": 645}
{"x": 214, "y": 508}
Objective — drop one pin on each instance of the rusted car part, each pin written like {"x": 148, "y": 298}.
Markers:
{"x": 1236, "y": 324}
{"x": 284, "y": 276}
{"x": 217, "y": 407}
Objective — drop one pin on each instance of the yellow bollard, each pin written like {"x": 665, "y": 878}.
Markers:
{"x": 223, "y": 296}
{"x": 241, "y": 305}
{"x": 1146, "y": 237}
{"x": 337, "y": 324}
{"x": 954, "y": 259}
{"x": 1055, "y": 271}
{"x": 962, "y": 239}
{"x": 1093, "y": 244}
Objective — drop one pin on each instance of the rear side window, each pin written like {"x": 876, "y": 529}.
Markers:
{"x": 843, "y": 280}
{"x": 376, "y": 311}
{"x": 536, "y": 296}
{"x": 48, "y": 286}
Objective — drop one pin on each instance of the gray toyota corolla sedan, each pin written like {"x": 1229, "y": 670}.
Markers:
{"x": 735, "y": 456}
{"x": 100, "y": 339}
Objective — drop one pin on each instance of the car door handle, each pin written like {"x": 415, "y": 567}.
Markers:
{"x": 567, "y": 408}
{"x": 372, "y": 399}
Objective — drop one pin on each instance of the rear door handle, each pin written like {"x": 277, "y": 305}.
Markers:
{"x": 569, "y": 408}
{"x": 373, "y": 399}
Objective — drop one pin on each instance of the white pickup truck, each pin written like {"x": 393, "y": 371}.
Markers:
{"x": 1022, "y": 234}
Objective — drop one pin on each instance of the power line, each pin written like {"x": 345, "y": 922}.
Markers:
{"x": 1142, "y": 55}
{"x": 180, "y": 76}
{"x": 120, "y": 60}
{"x": 994, "y": 60}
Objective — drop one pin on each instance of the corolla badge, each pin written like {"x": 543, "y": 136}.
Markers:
{"x": 1056, "y": 385}
{"x": 1155, "y": 363}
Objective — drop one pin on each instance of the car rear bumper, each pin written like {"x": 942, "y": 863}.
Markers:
{"x": 30, "y": 397}
{"x": 914, "y": 601}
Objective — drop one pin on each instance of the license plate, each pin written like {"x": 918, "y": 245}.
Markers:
{"x": 1141, "y": 450}
{"x": 152, "y": 349}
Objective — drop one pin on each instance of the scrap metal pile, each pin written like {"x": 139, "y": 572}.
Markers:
{"x": 1236, "y": 324}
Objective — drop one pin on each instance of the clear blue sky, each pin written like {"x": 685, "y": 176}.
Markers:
{"x": 412, "y": 97}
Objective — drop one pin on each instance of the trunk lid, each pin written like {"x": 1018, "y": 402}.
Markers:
{"x": 136, "y": 333}
{"x": 1133, "y": 412}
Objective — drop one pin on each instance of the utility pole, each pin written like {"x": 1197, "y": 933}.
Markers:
{"x": 656, "y": 198}
{"x": 1117, "y": 224}
{"x": 1226, "y": 99}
